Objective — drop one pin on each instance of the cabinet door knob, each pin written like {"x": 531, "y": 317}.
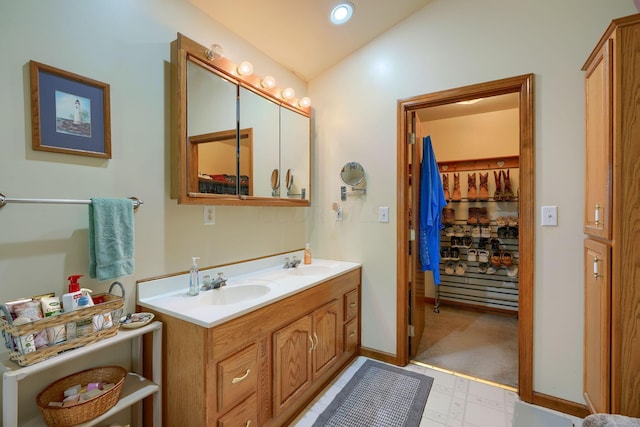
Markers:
{"x": 248, "y": 423}
{"x": 236, "y": 380}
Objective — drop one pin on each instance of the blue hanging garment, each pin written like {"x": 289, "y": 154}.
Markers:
{"x": 432, "y": 202}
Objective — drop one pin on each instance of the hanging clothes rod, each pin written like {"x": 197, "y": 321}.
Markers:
{"x": 4, "y": 200}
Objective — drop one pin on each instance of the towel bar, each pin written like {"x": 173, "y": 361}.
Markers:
{"x": 4, "y": 200}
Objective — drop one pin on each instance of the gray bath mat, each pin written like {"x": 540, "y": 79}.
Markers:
{"x": 379, "y": 395}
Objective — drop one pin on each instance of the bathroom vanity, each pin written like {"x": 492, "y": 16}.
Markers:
{"x": 258, "y": 350}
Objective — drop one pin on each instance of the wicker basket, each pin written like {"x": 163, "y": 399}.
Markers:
{"x": 82, "y": 411}
{"x": 112, "y": 305}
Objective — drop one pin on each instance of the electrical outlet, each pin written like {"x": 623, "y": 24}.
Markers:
{"x": 549, "y": 216}
{"x": 209, "y": 215}
{"x": 339, "y": 213}
{"x": 383, "y": 214}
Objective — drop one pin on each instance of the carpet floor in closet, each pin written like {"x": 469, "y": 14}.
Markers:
{"x": 469, "y": 342}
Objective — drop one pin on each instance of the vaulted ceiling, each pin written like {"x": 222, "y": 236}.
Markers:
{"x": 297, "y": 33}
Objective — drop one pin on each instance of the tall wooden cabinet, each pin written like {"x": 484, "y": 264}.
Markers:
{"x": 612, "y": 221}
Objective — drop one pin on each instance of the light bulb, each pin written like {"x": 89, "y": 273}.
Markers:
{"x": 214, "y": 52}
{"x": 245, "y": 68}
{"x": 341, "y": 13}
{"x": 288, "y": 93}
{"x": 305, "y": 102}
{"x": 268, "y": 82}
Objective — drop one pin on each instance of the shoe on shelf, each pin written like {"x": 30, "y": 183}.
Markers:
{"x": 483, "y": 255}
{"x": 449, "y": 231}
{"x": 512, "y": 271}
{"x": 461, "y": 268}
{"x": 482, "y": 267}
{"x": 501, "y": 221}
{"x": 467, "y": 241}
{"x": 456, "y": 188}
{"x": 459, "y": 231}
{"x": 502, "y": 232}
{"x": 448, "y": 216}
{"x": 506, "y": 258}
{"x": 485, "y": 231}
{"x": 455, "y": 254}
{"x": 498, "y": 193}
{"x": 472, "y": 192}
{"x": 445, "y": 186}
{"x": 491, "y": 269}
{"x": 449, "y": 267}
{"x": 512, "y": 221}
{"x": 483, "y": 190}
{"x": 496, "y": 258}
{"x": 475, "y": 231}
{"x": 472, "y": 255}
{"x": 507, "y": 192}
{"x": 483, "y": 216}
{"x": 473, "y": 216}
{"x": 444, "y": 253}
{"x": 512, "y": 233}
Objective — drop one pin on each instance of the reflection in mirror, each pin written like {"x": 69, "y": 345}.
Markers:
{"x": 275, "y": 183}
{"x": 261, "y": 115}
{"x": 215, "y": 174}
{"x": 295, "y": 152}
{"x": 352, "y": 173}
{"x": 211, "y": 120}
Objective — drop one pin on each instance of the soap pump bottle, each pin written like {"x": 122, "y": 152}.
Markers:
{"x": 194, "y": 278}
{"x": 307, "y": 254}
{"x": 70, "y": 299}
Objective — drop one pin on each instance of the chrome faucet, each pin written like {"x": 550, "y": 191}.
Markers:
{"x": 219, "y": 281}
{"x": 291, "y": 263}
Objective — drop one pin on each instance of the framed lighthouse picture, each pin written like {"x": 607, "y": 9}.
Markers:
{"x": 69, "y": 113}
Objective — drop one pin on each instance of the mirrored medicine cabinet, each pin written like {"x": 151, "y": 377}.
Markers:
{"x": 234, "y": 143}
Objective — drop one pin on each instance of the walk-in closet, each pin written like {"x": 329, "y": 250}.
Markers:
{"x": 471, "y": 316}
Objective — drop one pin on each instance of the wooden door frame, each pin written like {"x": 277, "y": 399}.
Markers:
{"x": 523, "y": 85}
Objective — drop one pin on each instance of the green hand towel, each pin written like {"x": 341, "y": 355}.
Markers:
{"x": 111, "y": 238}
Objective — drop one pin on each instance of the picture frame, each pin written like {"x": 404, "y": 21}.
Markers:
{"x": 69, "y": 113}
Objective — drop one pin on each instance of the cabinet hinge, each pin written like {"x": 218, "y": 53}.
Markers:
{"x": 412, "y": 331}
{"x": 411, "y": 138}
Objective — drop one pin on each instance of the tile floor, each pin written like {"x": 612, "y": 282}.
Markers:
{"x": 454, "y": 400}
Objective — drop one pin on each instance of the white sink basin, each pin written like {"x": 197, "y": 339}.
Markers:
{"x": 233, "y": 294}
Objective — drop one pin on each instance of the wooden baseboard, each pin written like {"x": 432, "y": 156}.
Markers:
{"x": 379, "y": 355}
{"x": 560, "y": 405}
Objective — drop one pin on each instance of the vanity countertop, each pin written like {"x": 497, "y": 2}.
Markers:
{"x": 250, "y": 285}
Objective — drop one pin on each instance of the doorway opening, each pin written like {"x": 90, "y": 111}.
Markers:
{"x": 411, "y": 285}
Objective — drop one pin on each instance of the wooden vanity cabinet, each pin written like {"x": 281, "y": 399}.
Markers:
{"x": 264, "y": 367}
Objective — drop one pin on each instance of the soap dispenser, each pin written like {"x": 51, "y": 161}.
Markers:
{"x": 194, "y": 278}
{"x": 70, "y": 299}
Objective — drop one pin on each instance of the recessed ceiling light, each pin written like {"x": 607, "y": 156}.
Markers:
{"x": 341, "y": 13}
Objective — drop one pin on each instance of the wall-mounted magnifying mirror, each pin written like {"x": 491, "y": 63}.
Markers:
{"x": 275, "y": 183}
{"x": 352, "y": 174}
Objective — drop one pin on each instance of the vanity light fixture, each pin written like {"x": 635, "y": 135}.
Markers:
{"x": 215, "y": 52}
{"x": 268, "y": 82}
{"x": 288, "y": 93}
{"x": 245, "y": 68}
{"x": 341, "y": 13}
{"x": 304, "y": 102}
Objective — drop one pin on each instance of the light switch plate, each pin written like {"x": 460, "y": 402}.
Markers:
{"x": 549, "y": 216}
{"x": 383, "y": 214}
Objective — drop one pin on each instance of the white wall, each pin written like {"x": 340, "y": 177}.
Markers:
{"x": 127, "y": 45}
{"x": 446, "y": 45}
